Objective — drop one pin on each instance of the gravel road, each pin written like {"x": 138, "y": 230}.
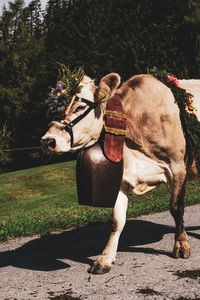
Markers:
{"x": 56, "y": 266}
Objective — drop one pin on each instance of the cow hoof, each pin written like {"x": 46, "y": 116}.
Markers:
{"x": 182, "y": 251}
{"x": 99, "y": 269}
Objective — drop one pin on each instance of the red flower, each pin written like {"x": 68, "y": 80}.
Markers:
{"x": 174, "y": 80}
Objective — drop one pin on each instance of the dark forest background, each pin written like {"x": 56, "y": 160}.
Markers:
{"x": 124, "y": 36}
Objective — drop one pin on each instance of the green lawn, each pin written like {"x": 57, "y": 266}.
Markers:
{"x": 43, "y": 199}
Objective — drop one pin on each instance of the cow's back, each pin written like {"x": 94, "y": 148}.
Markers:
{"x": 153, "y": 121}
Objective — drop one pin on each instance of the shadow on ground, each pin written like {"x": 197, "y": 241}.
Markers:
{"x": 45, "y": 253}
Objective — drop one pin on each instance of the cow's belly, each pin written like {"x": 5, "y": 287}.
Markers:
{"x": 143, "y": 173}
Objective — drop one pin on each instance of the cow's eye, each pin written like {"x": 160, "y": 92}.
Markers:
{"x": 79, "y": 108}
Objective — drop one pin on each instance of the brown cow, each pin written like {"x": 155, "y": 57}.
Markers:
{"x": 154, "y": 149}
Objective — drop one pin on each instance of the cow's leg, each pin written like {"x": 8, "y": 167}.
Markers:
{"x": 181, "y": 247}
{"x": 107, "y": 257}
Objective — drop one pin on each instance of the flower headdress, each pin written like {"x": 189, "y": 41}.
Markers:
{"x": 67, "y": 86}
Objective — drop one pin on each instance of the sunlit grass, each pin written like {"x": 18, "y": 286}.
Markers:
{"x": 43, "y": 199}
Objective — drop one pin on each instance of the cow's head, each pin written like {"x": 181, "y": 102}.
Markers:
{"x": 83, "y": 120}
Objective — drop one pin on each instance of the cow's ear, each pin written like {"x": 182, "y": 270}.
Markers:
{"x": 107, "y": 86}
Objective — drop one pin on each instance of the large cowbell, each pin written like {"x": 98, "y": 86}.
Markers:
{"x": 98, "y": 178}
{"x": 99, "y": 169}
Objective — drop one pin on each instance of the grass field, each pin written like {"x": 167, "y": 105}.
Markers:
{"x": 43, "y": 199}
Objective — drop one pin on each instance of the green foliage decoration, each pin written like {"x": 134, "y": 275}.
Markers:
{"x": 190, "y": 123}
{"x": 67, "y": 86}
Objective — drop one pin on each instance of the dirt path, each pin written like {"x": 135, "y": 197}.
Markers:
{"x": 57, "y": 264}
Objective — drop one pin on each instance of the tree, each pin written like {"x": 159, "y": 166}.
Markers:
{"x": 192, "y": 43}
{"x": 21, "y": 49}
{"x": 128, "y": 37}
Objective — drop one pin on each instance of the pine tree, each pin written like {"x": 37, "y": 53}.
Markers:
{"x": 127, "y": 38}
{"x": 192, "y": 45}
{"x": 21, "y": 47}
{"x": 13, "y": 35}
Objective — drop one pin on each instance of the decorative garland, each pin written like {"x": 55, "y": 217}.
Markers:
{"x": 66, "y": 87}
{"x": 190, "y": 123}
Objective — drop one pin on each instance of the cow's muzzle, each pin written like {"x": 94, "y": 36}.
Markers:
{"x": 48, "y": 144}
